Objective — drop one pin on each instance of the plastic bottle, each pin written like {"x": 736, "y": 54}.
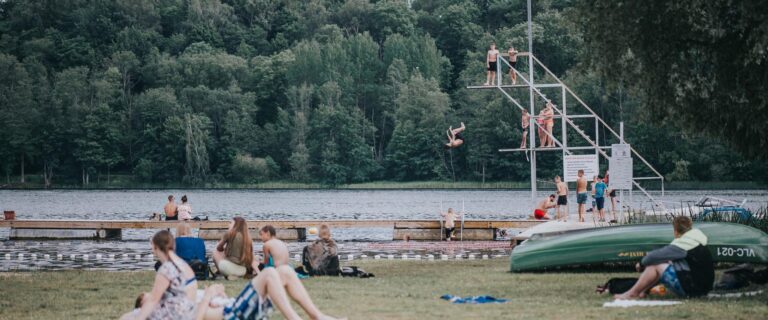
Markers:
{"x": 659, "y": 290}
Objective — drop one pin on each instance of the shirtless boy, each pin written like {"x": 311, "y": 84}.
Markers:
{"x": 525, "y": 121}
{"x": 562, "y": 198}
{"x": 512, "y": 62}
{"x": 170, "y": 209}
{"x": 450, "y": 223}
{"x": 581, "y": 194}
{"x": 278, "y": 252}
{"x": 540, "y": 213}
{"x": 490, "y": 64}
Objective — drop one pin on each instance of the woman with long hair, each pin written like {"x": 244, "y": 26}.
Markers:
{"x": 175, "y": 289}
{"x": 234, "y": 253}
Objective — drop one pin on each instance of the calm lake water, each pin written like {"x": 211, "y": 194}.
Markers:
{"x": 272, "y": 204}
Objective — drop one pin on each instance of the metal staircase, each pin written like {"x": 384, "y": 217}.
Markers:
{"x": 567, "y": 123}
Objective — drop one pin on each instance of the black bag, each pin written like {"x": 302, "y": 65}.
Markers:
{"x": 352, "y": 271}
{"x": 201, "y": 269}
{"x": 737, "y": 277}
{"x": 617, "y": 285}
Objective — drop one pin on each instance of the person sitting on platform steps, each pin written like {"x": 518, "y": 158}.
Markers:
{"x": 684, "y": 267}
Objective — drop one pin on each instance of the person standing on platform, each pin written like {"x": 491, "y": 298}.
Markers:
{"x": 612, "y": 196}
{"x": 599, "y": 188}
{"x": 512, "y": 62}
{"x": 549, "y": 121}
{"x": 581, "y": 194}
{"x": 184, "y": 209}
{"x": 450, "y": 224}
{"x": 562, "y": 198}
{"x": 170, "y": 209}
{"x": 490, "y": 64}
{"x": 525, "y": 122}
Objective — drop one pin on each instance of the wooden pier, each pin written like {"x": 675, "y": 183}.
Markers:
{"x": 287, "y": 229}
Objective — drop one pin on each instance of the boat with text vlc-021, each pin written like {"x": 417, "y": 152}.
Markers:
{"x": 627, "y": 244}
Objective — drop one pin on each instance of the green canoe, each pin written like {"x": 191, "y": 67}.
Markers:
{"x": 728, "y": 242}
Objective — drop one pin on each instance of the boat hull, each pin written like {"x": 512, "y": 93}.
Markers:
{"x": 727, "y": 242}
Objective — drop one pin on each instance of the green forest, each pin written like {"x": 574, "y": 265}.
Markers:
{"x": 200, "y": 92}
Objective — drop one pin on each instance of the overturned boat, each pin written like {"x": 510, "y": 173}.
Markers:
{"x": 627, "y": 244}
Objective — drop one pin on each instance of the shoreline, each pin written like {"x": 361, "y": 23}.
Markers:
{"x": 375, "y": 186}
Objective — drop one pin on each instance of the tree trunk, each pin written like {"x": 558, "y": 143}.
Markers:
{"x": 107, "y": 175}
{"x": 23, "y": 180}
{"x": 83, "y": 175}
{"x": 483, "y": 174}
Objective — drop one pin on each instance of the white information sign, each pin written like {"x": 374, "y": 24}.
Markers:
{"x": 620, "y": 167}
{"x": 574, "y": 163}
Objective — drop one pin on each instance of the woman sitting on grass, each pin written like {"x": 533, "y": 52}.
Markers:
{"x": 173, "y": 293}
{"x": 234, "y": 253}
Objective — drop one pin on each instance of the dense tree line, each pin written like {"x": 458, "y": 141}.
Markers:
{"x": 334, "y": 91}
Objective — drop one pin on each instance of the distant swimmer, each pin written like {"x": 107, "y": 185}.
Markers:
{"x": 581, "y": 194}
{"x": 455, "y": 139}
{"x": 540, "y": 213}
{"x": 490, "y": 63}
{"x": 512, "y": 62}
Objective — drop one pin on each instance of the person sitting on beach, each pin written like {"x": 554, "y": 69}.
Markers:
{"x": 184, "y": 209}
{"x": 450, "y": 223}
{"x": 455, "y": 139}
{"x": 234, "y": 252}
{"x": 170, "y": 209}
{"x": 276, "y": 256}
{"x": 684, "y": 267}
{"x": 320, "y": 257}
{"x": 173, "y": 293}
{"x": 540, "y": 213}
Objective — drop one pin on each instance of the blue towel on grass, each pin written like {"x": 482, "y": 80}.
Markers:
{"x": 472, "y": 299}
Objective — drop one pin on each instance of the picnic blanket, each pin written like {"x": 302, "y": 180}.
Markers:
{"x": 472, "y": 299}
{"x": 639, "y": 303}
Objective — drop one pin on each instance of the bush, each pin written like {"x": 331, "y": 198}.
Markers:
{"x": 253, "y": 170}
{"x": 143, "y": 171}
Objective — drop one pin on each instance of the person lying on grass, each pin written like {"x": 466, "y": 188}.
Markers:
{"x": 684, "y": 267}
{"x": 255, "y": 300}
{"x": 276, "y": 256}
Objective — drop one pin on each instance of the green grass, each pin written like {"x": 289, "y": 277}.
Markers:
{"x": 400, "y": 290}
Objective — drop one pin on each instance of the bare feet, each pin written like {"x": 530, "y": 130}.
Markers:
{"x": 485, "y": 84}
{"x": 625, "y": 296}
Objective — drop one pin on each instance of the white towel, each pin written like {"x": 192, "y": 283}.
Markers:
{"x": 639, "y": 303}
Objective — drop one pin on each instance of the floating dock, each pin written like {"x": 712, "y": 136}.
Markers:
{"x": 287, "y": 229}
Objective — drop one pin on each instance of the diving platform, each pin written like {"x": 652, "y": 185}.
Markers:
{"x": 497, "y": 86}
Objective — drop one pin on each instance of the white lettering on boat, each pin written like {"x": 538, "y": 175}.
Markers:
{"x": 735, "y": 252}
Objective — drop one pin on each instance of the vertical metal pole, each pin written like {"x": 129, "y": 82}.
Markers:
{"x": 621, "y": 191}
{"x": 564, "y": 129}
{"x": 461, "y": 236}
{"x": 532, "y": 112}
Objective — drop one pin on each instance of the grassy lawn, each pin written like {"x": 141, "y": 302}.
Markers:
{"x": 400, "y": 290}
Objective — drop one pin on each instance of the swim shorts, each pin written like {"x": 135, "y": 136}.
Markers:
{"x": 492, "y": 66}
{"x": 581, "y": 198}
{"x": 600, "y": 202}
{"x": 513, "y": 63}
{"x": 562, "y": 200}
{"x": 167, "y": 218}
{"x": 248, "y": 305}
{"x": 539, "y": 214}
{"x": 612, "y": 194}
{"x": 670, "y": 280}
